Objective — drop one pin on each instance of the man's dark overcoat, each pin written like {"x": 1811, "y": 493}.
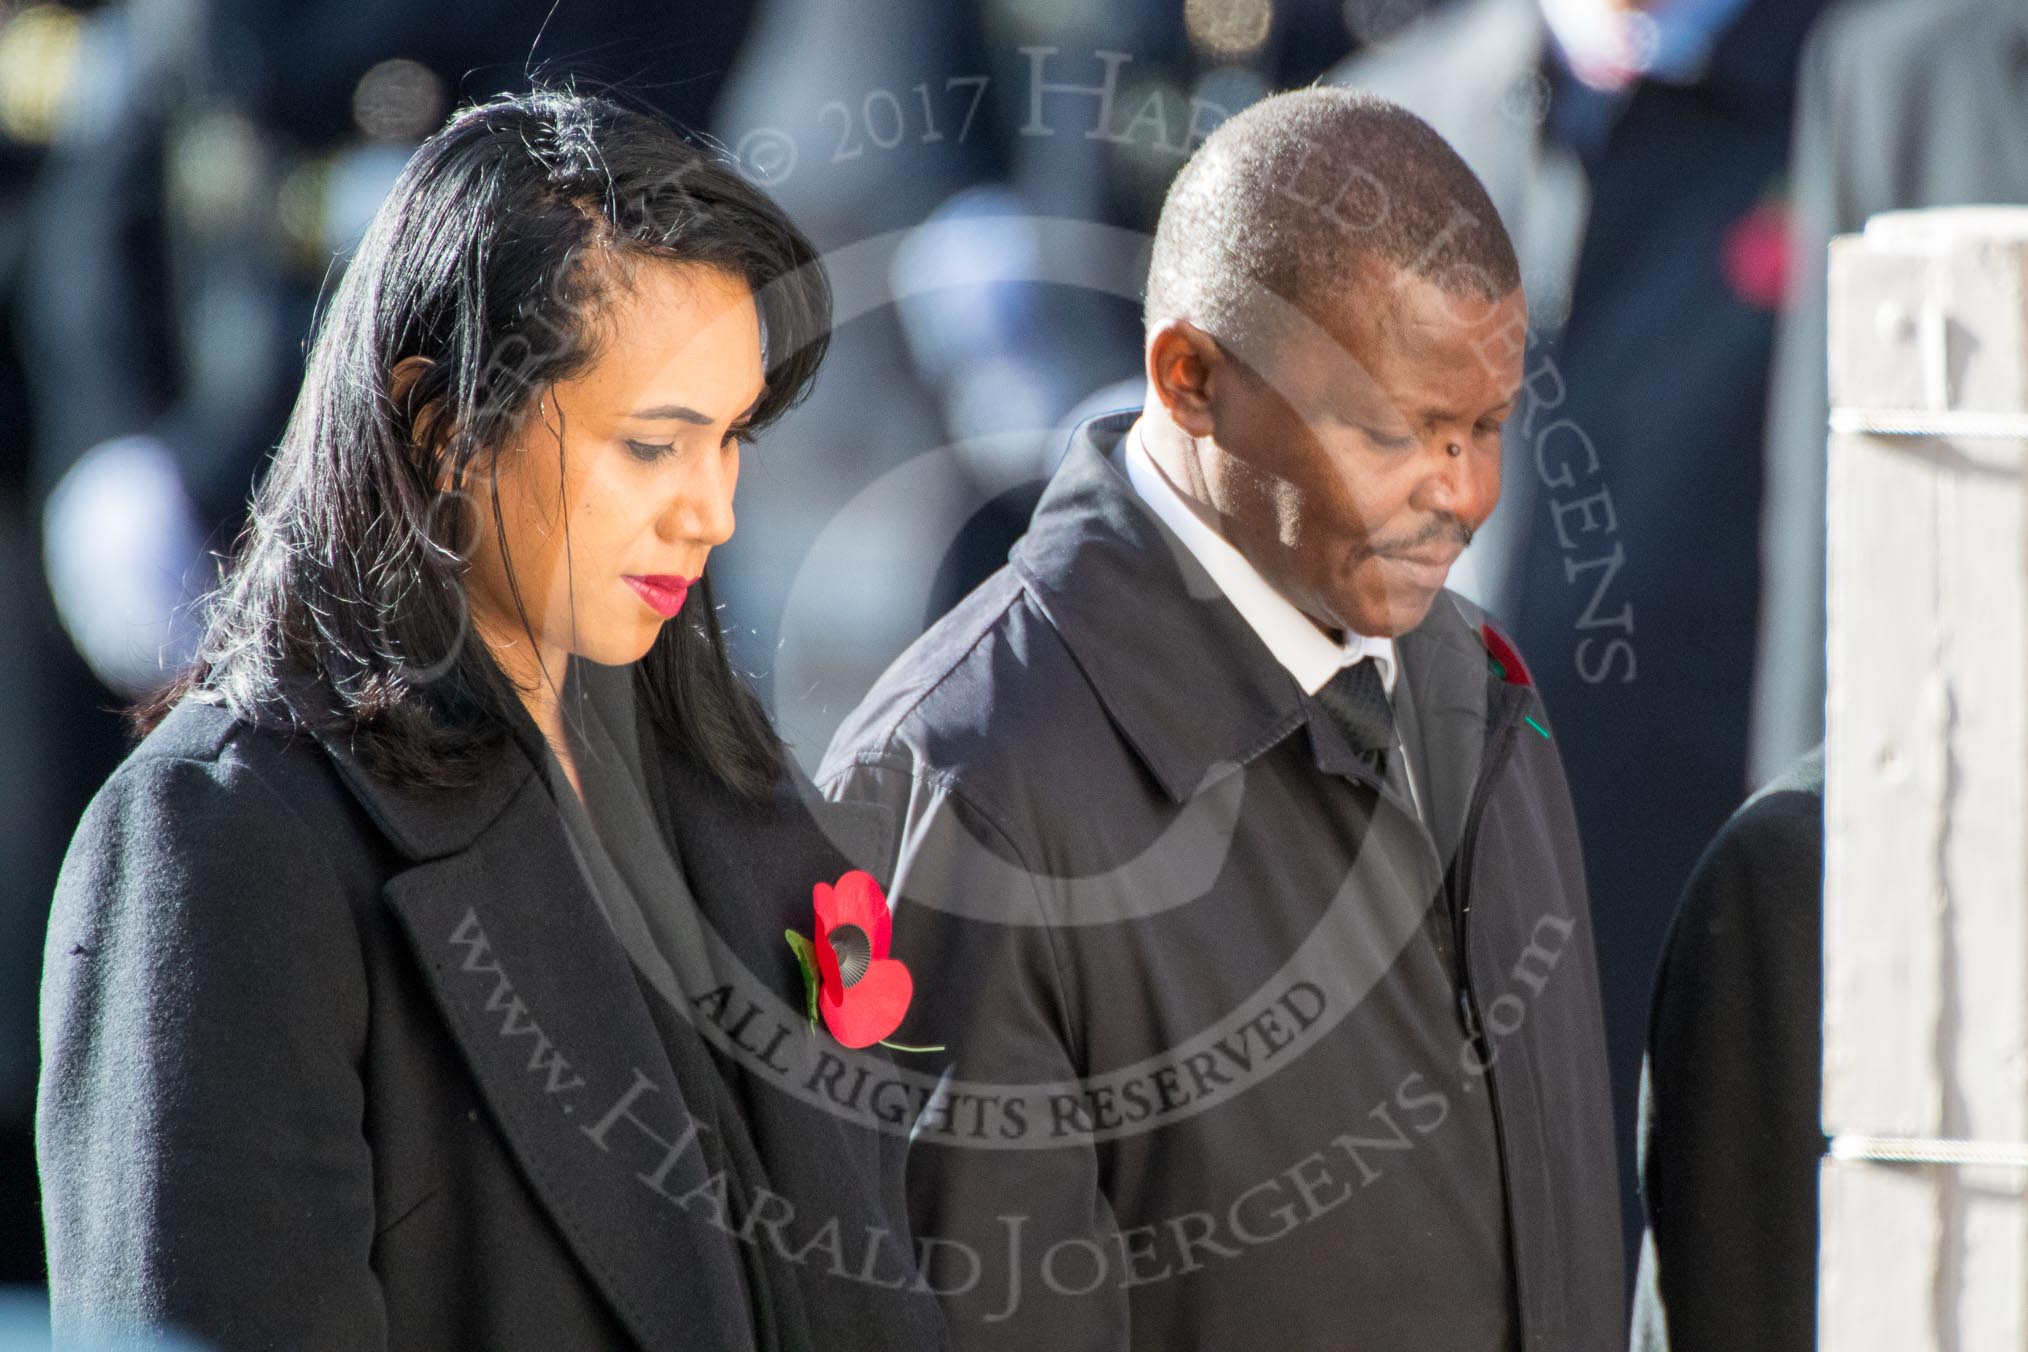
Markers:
{"x": 1241, "y": 1055}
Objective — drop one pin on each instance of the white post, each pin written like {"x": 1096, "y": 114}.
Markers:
{"x": 1925, "y": 1195}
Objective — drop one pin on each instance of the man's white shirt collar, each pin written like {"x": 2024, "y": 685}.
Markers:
{"x": 1309, "y": 654}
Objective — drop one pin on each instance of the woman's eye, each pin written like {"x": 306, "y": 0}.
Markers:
{"x": 650, "y": 451}
{"x": 1390, "y": 443}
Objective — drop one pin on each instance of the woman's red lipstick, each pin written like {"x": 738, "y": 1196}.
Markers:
{"x": 664, "y": 592}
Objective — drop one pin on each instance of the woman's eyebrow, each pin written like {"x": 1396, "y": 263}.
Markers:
{"x": 675, "y": 412}
{"x": 684, "y": 413}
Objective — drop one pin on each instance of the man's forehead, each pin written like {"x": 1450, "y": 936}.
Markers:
{"x": 1405, "y": 320}
{"x": 1436, "y": 376}
{"x": 1408, "y": 306}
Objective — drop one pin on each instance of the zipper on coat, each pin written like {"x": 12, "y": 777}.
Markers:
{"x": 1458, "y": 886}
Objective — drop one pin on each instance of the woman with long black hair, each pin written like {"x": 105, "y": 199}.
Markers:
{"x": 388, "y": 979}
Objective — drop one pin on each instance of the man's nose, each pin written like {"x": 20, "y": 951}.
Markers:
{"x": 1465, "y": 485}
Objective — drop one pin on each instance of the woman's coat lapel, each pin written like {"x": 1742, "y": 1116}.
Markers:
{"x": 553, "y": 1024}
{"x": 554, "y": 1028}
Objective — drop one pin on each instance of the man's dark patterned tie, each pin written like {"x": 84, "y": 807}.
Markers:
{"x": 1357, "y": 698}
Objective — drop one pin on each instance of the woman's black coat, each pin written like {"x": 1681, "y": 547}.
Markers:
{"x": 326, "y": 1062}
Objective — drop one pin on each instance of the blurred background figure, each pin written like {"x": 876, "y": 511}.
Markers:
{"x": 1903, "y": 103}
{"x": 1639, "y": 153}
{"x": 38, "y": 747}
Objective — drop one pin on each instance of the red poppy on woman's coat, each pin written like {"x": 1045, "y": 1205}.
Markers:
{"x": 861, "y": 992}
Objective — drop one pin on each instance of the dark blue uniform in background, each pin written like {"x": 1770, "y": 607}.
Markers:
{"x": 1638, "y": 608}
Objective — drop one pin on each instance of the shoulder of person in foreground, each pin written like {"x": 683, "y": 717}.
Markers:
{"x": 204, "y": 1010}
{"x": 1730, "y": 1131}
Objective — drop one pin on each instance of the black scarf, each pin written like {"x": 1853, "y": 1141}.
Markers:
{"x": 627, "y": 835}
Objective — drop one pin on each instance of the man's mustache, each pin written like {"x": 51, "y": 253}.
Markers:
{"x": 1441, "y": 530}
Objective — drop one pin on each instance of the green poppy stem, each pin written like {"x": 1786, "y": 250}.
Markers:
{"x": 904, "y": 1047}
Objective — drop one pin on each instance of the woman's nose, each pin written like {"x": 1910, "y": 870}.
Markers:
{"x": 701, "y": 510}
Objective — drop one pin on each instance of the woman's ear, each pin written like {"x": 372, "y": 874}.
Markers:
{"x": 420, "y": 425}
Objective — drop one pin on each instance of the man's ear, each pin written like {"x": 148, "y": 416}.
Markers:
{"x": 1184, "y": 362}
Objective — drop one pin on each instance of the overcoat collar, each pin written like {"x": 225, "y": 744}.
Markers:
{"x": 1190, "y": 685}
{"x": 425, "y": 824}
{"x": 553, "y": 1023}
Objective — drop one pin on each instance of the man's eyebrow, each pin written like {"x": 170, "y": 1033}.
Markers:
{"x": 1437, "y": 415}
